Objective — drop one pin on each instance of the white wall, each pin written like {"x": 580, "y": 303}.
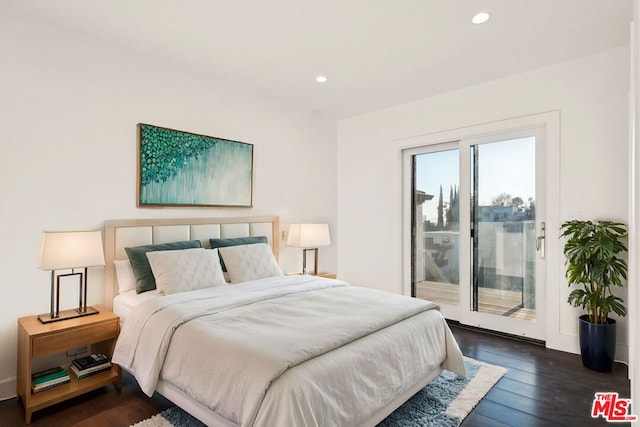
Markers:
{"x": 591, "y": 95}
{"x": 68, "y": 112}
{"x": 634, "y": 209}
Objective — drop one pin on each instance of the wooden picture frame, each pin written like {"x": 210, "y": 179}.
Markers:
{"x": 183, "y": 169}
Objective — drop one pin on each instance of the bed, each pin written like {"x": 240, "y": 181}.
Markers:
{"x": 279, "y": 350}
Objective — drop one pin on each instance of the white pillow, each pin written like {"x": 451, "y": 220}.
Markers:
{"x": 186, "y": 269}
{"x": 250, "y": 262}
{"x": 124, "y": 273}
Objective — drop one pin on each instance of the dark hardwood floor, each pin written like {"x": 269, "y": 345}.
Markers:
{"x": 541, "y": 388}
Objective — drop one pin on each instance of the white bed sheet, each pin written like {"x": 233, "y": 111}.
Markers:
{"x": 126, "y": 302}
{"x": 372, "y": 378}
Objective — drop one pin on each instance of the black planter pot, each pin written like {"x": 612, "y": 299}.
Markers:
{"x": 597, "y": 344}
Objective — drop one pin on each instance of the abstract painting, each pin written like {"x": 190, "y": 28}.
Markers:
{"x": 177, "y": 168}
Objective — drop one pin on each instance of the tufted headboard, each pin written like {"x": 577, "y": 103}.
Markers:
{"x": 122, "y": 233}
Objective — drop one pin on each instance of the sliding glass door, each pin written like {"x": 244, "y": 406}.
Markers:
{"x": 477, "y": 232}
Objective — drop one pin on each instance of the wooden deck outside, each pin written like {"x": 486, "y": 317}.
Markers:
{"x": 493, "y": 301}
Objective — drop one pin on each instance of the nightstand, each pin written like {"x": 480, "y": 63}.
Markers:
{"x": 321, "y": 274}
{"x": 327, "y": 275}
{"x": 36, "y": 340}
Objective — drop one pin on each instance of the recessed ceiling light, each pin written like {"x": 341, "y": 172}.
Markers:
{"x": 321, "y": 79}
{"x": 480, "y": 18}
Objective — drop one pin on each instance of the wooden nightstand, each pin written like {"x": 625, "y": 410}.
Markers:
{"x": 327, "y": 275}
{"x": 36, "y": 340}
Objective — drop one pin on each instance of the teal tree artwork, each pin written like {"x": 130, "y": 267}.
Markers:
{"x": 164, "y": 151}
{"x": 182, "y": 168}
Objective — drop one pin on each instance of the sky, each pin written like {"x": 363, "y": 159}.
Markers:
{"x": 504, "y": 167}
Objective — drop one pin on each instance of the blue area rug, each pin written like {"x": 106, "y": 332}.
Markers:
{"x": 444, "y": 402}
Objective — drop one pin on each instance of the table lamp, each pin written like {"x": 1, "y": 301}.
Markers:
{"x": 309, "y": 237}
{"x": 69, "y": 250}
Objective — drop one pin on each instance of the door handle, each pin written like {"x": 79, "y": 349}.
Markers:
{"x": 540, "y": 240}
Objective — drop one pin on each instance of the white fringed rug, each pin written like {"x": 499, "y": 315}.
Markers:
{"x": 444, "y": 402}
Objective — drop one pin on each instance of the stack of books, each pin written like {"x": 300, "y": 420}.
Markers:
{"x": 90, "y": 365}
{"x": 50, "y": 378}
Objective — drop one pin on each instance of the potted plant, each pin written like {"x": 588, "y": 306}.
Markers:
{"x": 593, "y": 262}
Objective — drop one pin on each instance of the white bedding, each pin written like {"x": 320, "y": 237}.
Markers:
{"x": 124, "y": 303}
{"x": 273, "y": 356}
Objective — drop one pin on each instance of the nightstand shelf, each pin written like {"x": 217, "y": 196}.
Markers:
{"x": 75, "y": 388}
{"x": 37, "y": 340}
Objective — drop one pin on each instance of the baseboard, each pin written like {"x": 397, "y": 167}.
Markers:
{"x": 622, "y": 353}
{"x": 495, "y": 333}
{"x": 568, "y": 343}
{"x": 7, "y": 388}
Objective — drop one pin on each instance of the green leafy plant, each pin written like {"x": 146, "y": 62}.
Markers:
{"x": 592, "y": 251}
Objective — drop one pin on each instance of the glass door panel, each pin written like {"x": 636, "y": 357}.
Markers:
{"x": 504, "y": 228}
{"x": 436, "y": 224}
{"x": 504, "y": 288}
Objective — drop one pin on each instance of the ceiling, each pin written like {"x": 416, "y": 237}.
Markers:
{"x": 375, "y": 53}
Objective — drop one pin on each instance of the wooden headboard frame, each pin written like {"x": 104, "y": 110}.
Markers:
{"x": 122, "y": 233}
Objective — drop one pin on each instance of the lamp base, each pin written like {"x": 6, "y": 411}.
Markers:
{"x": 66, "y": 314}
{"x": 315, "y": 261}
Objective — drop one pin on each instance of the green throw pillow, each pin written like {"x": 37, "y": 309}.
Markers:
{"x": 236, "y": 241}
{"x": 140, "y": 264}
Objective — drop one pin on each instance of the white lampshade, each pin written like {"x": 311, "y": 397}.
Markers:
{"x": 308, "y": 235}
{"x": 70, "y": 249}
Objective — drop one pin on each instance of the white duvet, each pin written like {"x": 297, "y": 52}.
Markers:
{"x": 292, "y": 350}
